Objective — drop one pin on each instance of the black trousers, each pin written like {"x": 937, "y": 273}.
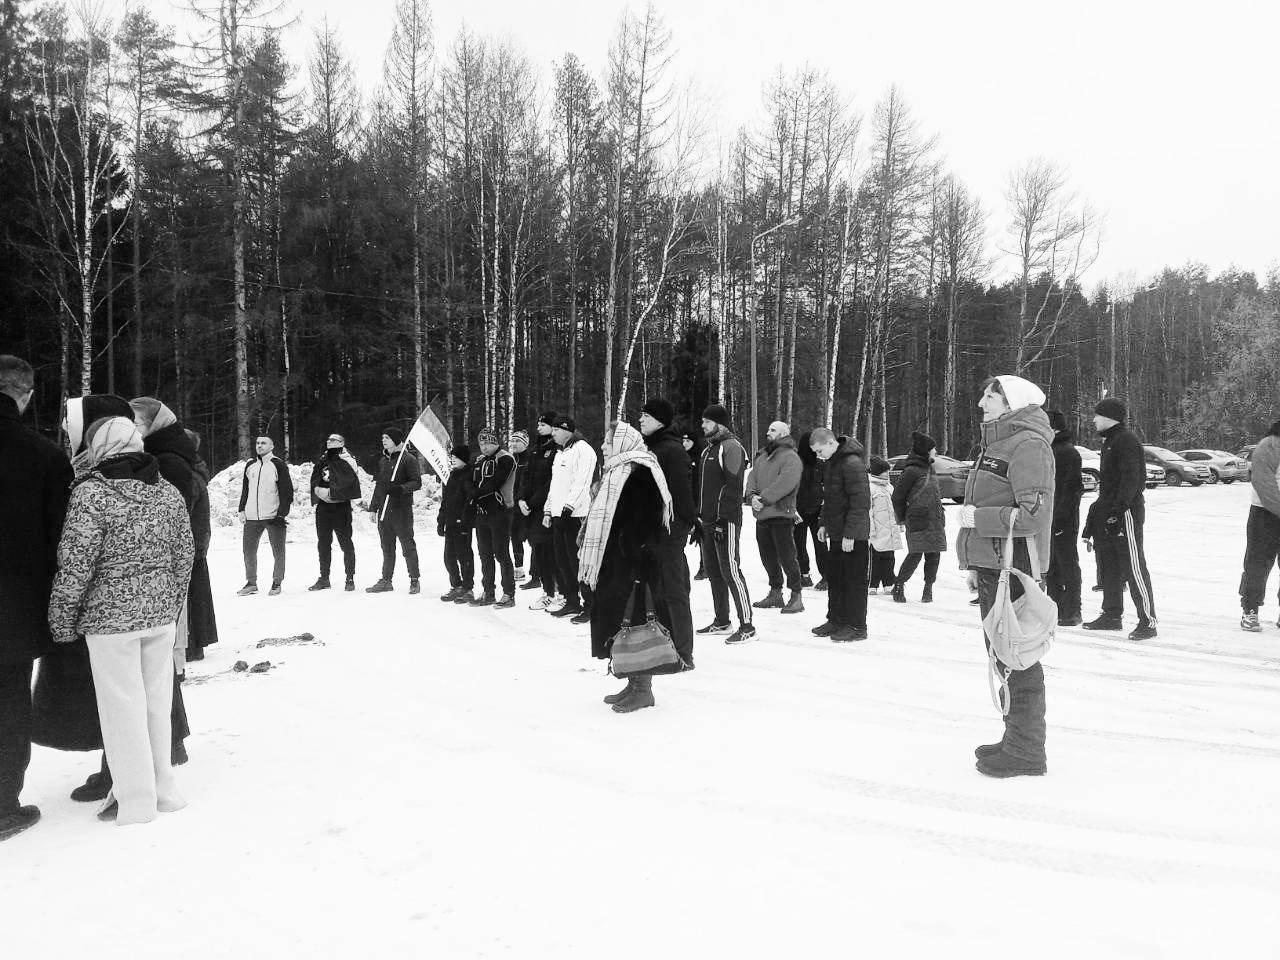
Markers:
{"x": 674, "y": 588}
{"x": 519, "y": 534}
{"x": 15, "y": 732}
{"x": 881, "y": 568}
{"x": 912, "y": 560}
{"x": 564, "y": 534}
{"x": 459, "y": 561}
{"x": 1261, "y": 550}
{"x": 1122, "y": 561}
{"x": 334, "y": 519}
{"x": 725, "y": 572}
{"x": 397, "y": 525}
{"x": 776, "y": 539}
{"x": 493, "y": 541}
{"x": 543, "y": 567}
{"x": 1063, "y": 578}
{"x": 847, "y": 575}
{"x": 1024, "y": 727}
{"x": 804, "y": 531}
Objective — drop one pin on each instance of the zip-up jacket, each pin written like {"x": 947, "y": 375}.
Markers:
{"x": 666, "y": 447}
{"x": 1015, "y": 470}
{"x": 1265, "y": 474}
{"x": 493, "y": 479}
{"x": 1122, "y": 472}
{"x": 535, "y": 483}
{"x": 266, "y": 492}
{"x": 775, "y": 479}
{"x": 571, "y": 475}
{"x": 398, "y": 477}
{"x": 456, "y": 514}
{"x": 846, "y": 505}
{"x": 724, "y": 463}
{"x": 885, "y": 533}
{"x": 1068, "y": 487}
{"x": 336, "y": 470}
{"x": 809, "y": 496}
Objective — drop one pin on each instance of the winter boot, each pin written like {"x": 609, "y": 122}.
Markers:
{"x": 1070, "y": 620}
{"x": 641, "y": 696}
{"x": 1002, "y": 765}
{"x": 795, "y": 604}
{"x": 464, "y": 595}
{"x": 274, "y": 591}
{"x": 414, "y": 587}
{"x": 321, "y": 584}
{"x": 825, "y": 630}
{"x": 927, "y": 596}
{"x": 899, "y": 593}
{"x": 351, "y": 585}
{"x": 716, "y": 628}
{"x": 1143, "y": 631}
{"x": 247, "y": 590}
{"x": 988, "y": 750}
{"x": 1249, "y": 621}
{"x": 821, "y": 585}
{"x": 506, "y": 602}
{"x": 806, "y": 580}
{"x": 531, "y": 584}
{"x": 485, "y": 599}
{"x": 1105, "y": 623}
{"x": 96, "y": 787}
{"x": 382, "y": 586}
{"x": 771, "y": 600}
{"x": 847, "y": 634}
{"x": 14, "y": 822}
{"x": 451, "y": 596}
{"x": 745, "y": 632}
{"x": 621, "y": 694}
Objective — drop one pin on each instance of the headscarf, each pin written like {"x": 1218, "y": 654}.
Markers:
{"x": 82, "y": 413}
{"x": 112, "y": 437}
{"x": 626, "y": 452}
{"x": 151, "y": 415}
{"x": 1020, "y": 393}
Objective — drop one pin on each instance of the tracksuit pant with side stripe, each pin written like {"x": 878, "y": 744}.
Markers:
{"x": 725, "y": 572}
{"x": 1121, "y": 560}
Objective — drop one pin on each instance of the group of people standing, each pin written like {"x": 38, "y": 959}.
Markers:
{"x": 104, "y": 580}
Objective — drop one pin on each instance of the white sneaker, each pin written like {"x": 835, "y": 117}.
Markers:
{"x": 519, "y": 573}
{"x": 542, "y": 602}
{"x": 557, "y": 602}
{"x": 887, "y": 590}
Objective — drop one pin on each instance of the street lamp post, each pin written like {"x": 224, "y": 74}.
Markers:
{"x": 755, "y": 393}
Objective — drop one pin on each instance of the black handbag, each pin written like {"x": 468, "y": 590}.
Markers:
{"x": 645, "y": 649}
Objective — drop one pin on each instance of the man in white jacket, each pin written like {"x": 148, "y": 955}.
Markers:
{"x": 566, "y": 507}
{"x": 266, "y": 494}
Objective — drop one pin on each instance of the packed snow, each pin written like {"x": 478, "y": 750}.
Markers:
{"x": 436, "y": 781}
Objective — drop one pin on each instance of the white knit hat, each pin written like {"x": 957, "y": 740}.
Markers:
{"x": 1020, "y": 393}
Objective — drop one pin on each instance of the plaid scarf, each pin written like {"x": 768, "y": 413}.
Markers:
{"x": 626, "y": 451}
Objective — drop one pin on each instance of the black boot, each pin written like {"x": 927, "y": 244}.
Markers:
{"x": 414, "y": 586}
{"x": 351, "y": 585}
{"x": 621, "y": 694}
{"x": 772, "y": 599}
{"x": 899, "y": 593}
{"x": 321, "y": 584}
{"x": 641, "y": 696}
{"x": 1003, "y": 765}
{"x": 96, "y": 787}
{"x": 927, "y": 596}
{"x": 14, "y": 822}
{"x": 795, "y": 604}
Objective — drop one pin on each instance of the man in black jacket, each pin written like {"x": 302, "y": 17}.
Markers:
{"x": 37, "y": 476}
{"x": 846, "y": 529}
{"x": 454, "y": 522}
{"x": 664, "y": 443}
{"x": 1063, "y": 576}
{"x": 399, "y": 475}
{"x": 1120, "y": 513}
{"x": 493, "y": 479}
{"x": 531, "y": 497}
{"x": 334, "y": 484}
{"x": 809, "y": 507}
{"x": 518, "y": 446}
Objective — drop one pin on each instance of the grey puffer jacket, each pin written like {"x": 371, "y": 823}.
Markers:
{"x": 125, "y": 557}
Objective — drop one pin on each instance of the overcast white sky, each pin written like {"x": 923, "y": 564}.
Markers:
{"x": 1166, "y": 114}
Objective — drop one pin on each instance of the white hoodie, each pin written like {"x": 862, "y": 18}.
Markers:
{"x": 571, "y": 476}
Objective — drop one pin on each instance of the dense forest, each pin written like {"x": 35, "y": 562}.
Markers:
{"x": 198, "y": 219}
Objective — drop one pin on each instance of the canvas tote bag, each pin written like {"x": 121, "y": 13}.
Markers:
{"x": 1020, "y": 631}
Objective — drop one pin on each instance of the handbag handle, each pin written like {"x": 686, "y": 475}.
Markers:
{"x": 1032, "y": 553}
{"x": 631, "y": 604}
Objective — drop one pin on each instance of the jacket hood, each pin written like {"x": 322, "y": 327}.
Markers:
{"x": 847, "y": 447}
{"x": 782, "y": 443}
{"x": 171, "y": 439}
{"x": 807, "y": 456}
{"x": 722, "y": 433}
{"x": 1031, "y": 418}
{"x": 141, "y": 467}
{"x": 918, "y": 460}
{"x": 1062, "y": 436}
{"x": 880, "y": 479}
{"x": 666, "y": 433}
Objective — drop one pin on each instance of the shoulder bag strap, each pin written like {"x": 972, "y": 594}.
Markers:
{"x": 631, "y": 605}
{"x": 1008, "y": 546}
{"x": 650, "y": 611}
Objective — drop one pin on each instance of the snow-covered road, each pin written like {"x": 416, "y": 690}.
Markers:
{"x": 435, "y": 781}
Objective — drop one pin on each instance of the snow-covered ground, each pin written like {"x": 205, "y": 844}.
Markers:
{"x": 435, "y": 781}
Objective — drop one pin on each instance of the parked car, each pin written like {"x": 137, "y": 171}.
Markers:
{"x": 1089, "y": 467}
{"x": 1176, "y": 469}
{"x": 952, "y": 475}
{"x": 1245, "y": 453}
{"x": 1155, "y": 475}
{"x": 1225, "y": 467}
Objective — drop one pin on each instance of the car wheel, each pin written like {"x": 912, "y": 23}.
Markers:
{"x": 1173, "y": 479}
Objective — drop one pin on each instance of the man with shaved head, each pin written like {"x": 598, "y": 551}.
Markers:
{"x": 771, "y": 493}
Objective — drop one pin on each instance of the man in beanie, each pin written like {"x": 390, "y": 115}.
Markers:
{"x": 518, "y": 447}
{"x": 493, "y": 479}
{"x": 664, "y": 443}
{"x": 1120, "y": 514}
{"x": 771, "y": 493}
{"x": 399, "y": 475}
{"x": 266, "y": 494}
{"x": 1262, "y": 533}
{"x": 1063, "y": 576}
{"x": 531, "y": 497}
{"x": 454, "y": 521}
{"x": 720, "y": 488}
{"x": 917, "y": 504}
{"x": 334, "y": 485}
{"x": 566, "y": 508}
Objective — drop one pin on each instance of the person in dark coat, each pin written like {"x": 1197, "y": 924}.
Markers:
{"x": 36, "y": 479}
{"x": 721, "y": 478}
{"x": 454, "y": 522}
{"x": 1121, "y": 514}
{"x": 917, "y": 505}
{"x": 399, "y": 475}
{"x": 334, "y": 484}
{"x": 846, "y": 529}
{"x": 518, "y": 446}
{"x": 531, "y": 497}
{"x": 493, "y": 480}
{"x": 1062, "y": 579}
{"x": 202, "y": 622}
{"x": 809, "y": 507}
{"x": 628, "y": 519}
{"x": 1262, "y": 529}
{"x": 693, "y": 446}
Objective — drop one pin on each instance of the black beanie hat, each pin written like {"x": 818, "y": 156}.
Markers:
{"x": 716, "y": 413}
{"x": 921, "y": 443}
{"x": 877, "y": 466}
{"x": 462, "y": 452}
{"x": 564, "y": 423}
{"x": 660, "y": 410}
{"x": 1058, "y": 420}
{"x": 1111, "y": 408}
{"x": 549, "y": 418}
{"x": 395, "y": 433}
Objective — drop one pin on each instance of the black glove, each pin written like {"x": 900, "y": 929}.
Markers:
{"x": 440, "y": 529}
{"x": 566, "y": 511}
{"x": 720, "y": 532}
{"x": 695, "y": 534}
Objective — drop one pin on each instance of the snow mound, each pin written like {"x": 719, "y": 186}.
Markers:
{"x": 224, "y": 495}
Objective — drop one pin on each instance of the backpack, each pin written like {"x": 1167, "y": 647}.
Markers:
{"x": 1020, "y": 632}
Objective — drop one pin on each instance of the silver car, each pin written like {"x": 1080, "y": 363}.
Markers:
{"x": 1090, "y": 461}
{"x": 1224, "y": 467}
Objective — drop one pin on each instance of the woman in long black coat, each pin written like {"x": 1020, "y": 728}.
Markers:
{"x": 624, "y": 525}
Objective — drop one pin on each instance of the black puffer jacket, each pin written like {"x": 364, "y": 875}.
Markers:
{"x": 1122, "y": 473}
{"x": 398, "y": 478}
{"x": 665, "y": 445}
{"x": 336, "y": 470}
{"x": 456, "y": 515}
{"x": 1068, "y": 486}
{"x": 918, "y": 505}
{"x": 809, "y": 496}
{"x": 846, "y": 507}
{"x": 535, "y": 481}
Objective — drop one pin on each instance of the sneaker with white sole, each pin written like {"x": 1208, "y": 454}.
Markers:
{"x": 716, "y": 628}
{"x": 557, "y": 603}
{"x": 542, "y": 602}
{"x": 1249, "y": 621}
{"x": 744, "y": 633}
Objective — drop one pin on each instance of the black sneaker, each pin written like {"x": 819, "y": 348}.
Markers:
{"x": 806, "y": 580}
{"x": 1104, "y": 623}
{"x": 351, "y": 585}
{"x": 583, "y": 617}
{"x": 382, "y": 586}
{"x": 822, "y": 584}
{"x": 568, "y": 610}
{"x": 94, "y": 789}
{"x": 464, "y": 595}
{"x": 321, "y": 584}
{"x": 506, "y": 602}
{"x": 414, "y": 587}
{"x": 744, "y": 633}
{"x": 849, "y": 634}
{"x": 1070, "y": 620}
{"x": 716, "y": 628}
{"x": 451, "y": 596}
{"x": 274, "y": 591}
{"x": 14, "y": 822}
{"x": 248, "y": 590}
{"x": 1143, "y": 631}
{"x": 531, "y": 585}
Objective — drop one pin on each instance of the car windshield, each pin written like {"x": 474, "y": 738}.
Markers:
{"x": 1223, "y": 453}
{"x": 1163, "y": 454}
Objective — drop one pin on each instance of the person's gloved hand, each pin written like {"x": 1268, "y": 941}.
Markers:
{"x": 546, "y": 520}
{"x": 720, "y": 532}
{"x": 566, "y": 511}
{"x": 968, "y": 515}
{"x": 440, "y": 528}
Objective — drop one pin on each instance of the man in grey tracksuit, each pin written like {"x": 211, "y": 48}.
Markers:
{"x": 266, "y": 494}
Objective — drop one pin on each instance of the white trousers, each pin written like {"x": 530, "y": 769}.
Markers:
{"x": 133, "y": 677}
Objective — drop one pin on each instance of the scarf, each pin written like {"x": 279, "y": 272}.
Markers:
{"x": 626, "y": 451}
{"x": 112, "y": 437}
{"x": 151, "y": 415}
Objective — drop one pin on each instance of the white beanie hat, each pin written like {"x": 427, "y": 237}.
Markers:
{"x": 1020, "y": 393}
